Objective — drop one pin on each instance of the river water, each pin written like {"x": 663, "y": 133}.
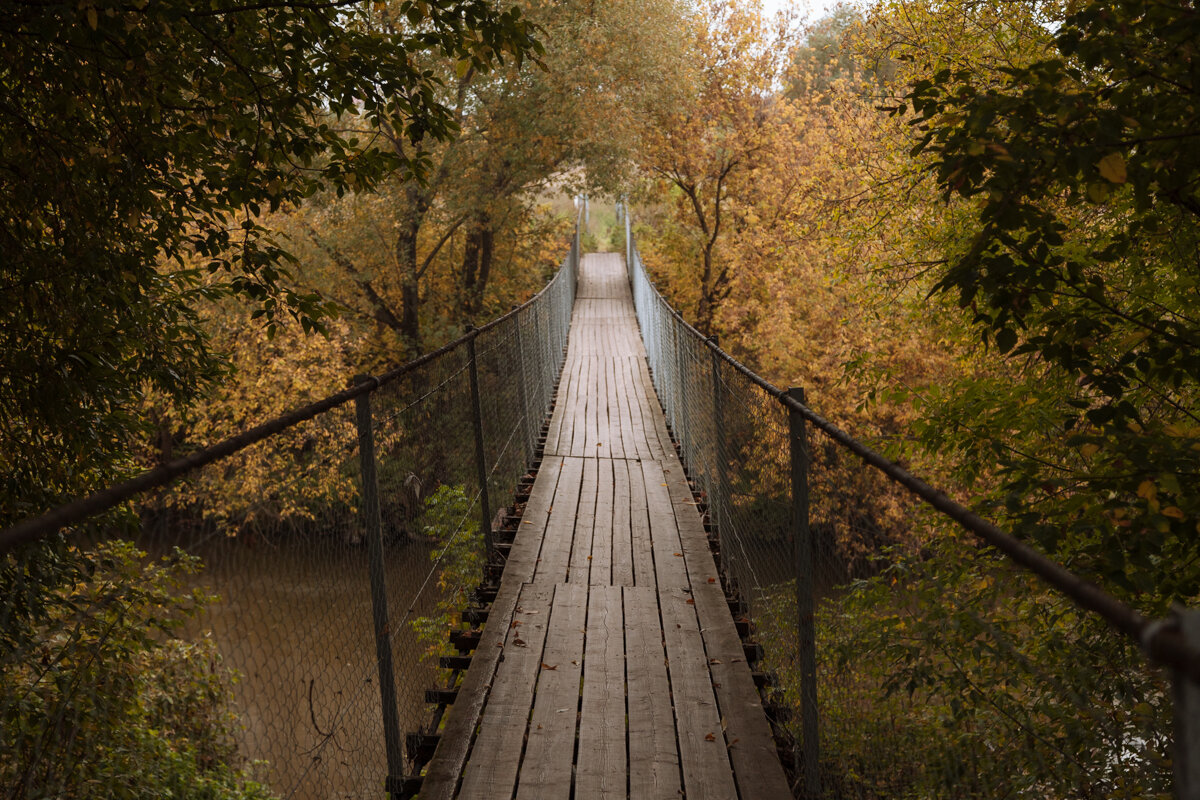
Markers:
{"x": 294, "y": 623}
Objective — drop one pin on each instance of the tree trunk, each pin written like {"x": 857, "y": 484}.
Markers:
{"x": 477, "y": 262}
{"x": 410, "y": 295}
{"x": 704, "y": 311}
{"x": 486, "y": 241}
{"x": 470, "y": 267}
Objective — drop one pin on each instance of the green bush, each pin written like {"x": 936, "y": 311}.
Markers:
{"x": 952, "y": 675}
{"x": 459, "y": 559}
{"x": 99, "y": 697}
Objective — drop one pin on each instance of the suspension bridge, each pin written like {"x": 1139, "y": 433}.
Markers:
{"x": 658, "y": 532}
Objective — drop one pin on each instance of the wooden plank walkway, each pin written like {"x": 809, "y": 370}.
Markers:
{"x": 610, "y": 665}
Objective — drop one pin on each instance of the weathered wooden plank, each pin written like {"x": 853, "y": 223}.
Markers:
{"x": 555, "y": 556}
{"x": 624, "y": 448}
{"x": 756, "y": 766}
{"x": 664, "y": 536}
{"x": 653, "y": 747}
{"x": 600, "y": 558}
{"x": 585, "y": 520}
{"x": 702, "y": 753}
{"x": 622, "y": 531}
{"x": 578, "y": 446}
{"x": 560, "y": 420}
{"x": 550, "y": 750}
{"x": 602, "y": 768}
{"x": 444, "y": 770}
{"x": 656, "y": 430}
{"x": 639, "y": 526}
{"x": 491, "y": 771}
{"x": 597, "y": 412}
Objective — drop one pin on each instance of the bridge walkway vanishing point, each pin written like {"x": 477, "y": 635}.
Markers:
{"x": 610, "y": 664}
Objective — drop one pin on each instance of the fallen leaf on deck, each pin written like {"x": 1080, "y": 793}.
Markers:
{"x": 547, "y": 666}
{"x": 708, "y": 737}
{"x": 519, "y": 642}
{"x": 691, "y": 602}
{"x": 712, "y": 580}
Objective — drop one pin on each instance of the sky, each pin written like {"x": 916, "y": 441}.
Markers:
{"x": 812, "y": 9}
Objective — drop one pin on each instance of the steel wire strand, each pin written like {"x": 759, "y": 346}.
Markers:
{"x": 1157, "y": 638}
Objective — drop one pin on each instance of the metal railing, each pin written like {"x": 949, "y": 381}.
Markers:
{"x": 313, "y": 532}
{"x": 914, "y": 665}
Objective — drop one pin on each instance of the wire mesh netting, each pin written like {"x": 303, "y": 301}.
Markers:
{"x": 270, "y": 627}
{"x": 910, "y": 660}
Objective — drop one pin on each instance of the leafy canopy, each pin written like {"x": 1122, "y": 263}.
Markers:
{"x": 1084, "y": 183}
{"x": 141, "y": 142}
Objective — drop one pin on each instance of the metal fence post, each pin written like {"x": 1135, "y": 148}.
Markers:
{"x": 393, "y": 743}
{"x": 1187, "y": 714}
{"x": 719, "y": 498}
{"x": 802, "y": 540}
{"x": 676, "y": 387}
{"x": 485, "y": 506}
{"x": 527, "y": 421}
{"x": 628, "y": 243}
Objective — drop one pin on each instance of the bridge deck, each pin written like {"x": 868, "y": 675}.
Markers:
{"x": 610, "y": 665}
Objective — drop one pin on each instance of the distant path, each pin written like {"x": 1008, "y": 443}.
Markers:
{"x": 610, "y": 664}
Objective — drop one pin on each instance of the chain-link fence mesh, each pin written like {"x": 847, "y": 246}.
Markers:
{"x": 267, "y": 646}
{"x": 913, "y": 661}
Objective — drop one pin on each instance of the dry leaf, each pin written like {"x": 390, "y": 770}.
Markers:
{"x": 712, "y": 580}
{"x": 708, "y": 737}
{"x": 691, "y": 602}
{"x": 714, "y": 661}
{"x": 679, "y": 554}
{"x": 1112, "y": 168}
{"x": 519, "y": 642}
{"x": 547, "y": 666}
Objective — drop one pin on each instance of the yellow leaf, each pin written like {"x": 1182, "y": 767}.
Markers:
{"x": 1112, "y": 168}
{"x": 93, "y": 18}
{"x": 1173, "y": 512}
{"x": 1097, "y": 192}
{"x": 1147, "y": 490}
{"x": 1089, "y": 450}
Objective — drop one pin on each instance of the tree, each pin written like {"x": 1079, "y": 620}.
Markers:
{"x": 1080, "y": 265}
{"x": 704, "y": 147}
{"x": 139, "y": 136}
{"x": 524, "y": 135}
{"x": 143, "y": 142}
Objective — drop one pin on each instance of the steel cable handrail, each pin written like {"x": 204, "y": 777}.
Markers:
{"x": 82, "y": 508}
{"x": 1160, "y": 639}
